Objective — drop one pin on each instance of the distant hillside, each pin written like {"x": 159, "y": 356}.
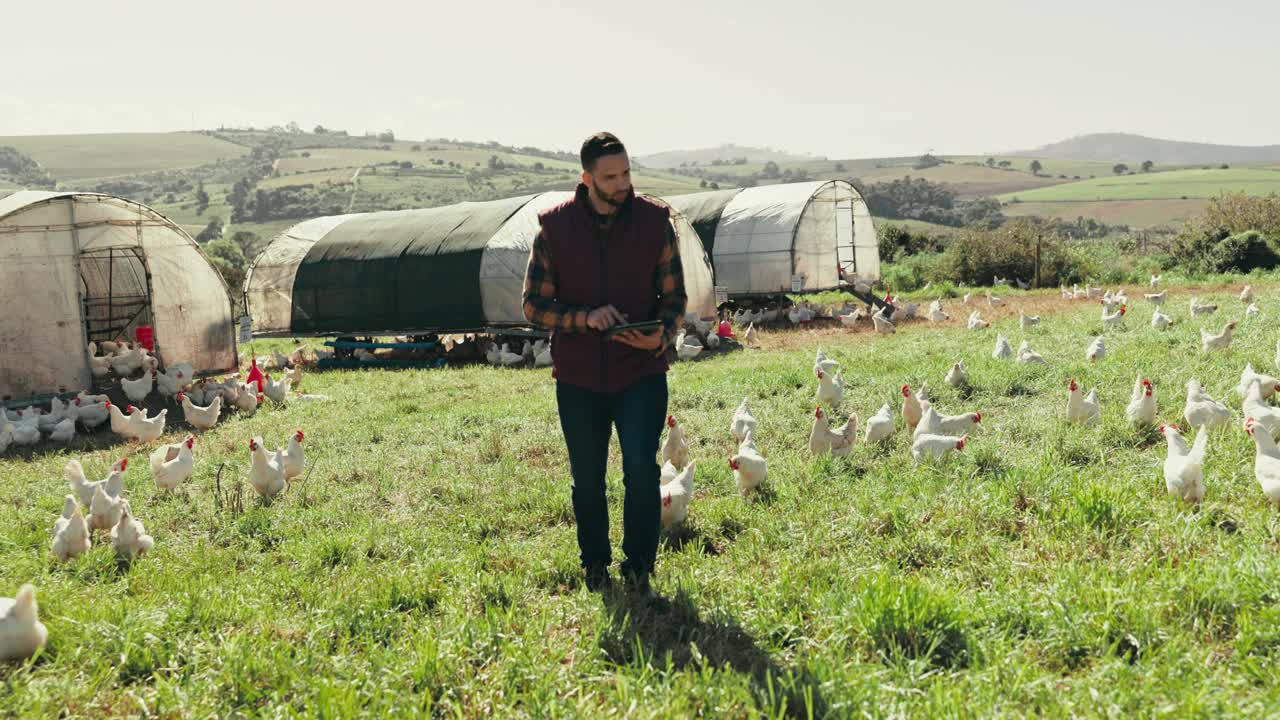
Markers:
{"x": 723, "y": 155}
{"x": 1135, "y": 149}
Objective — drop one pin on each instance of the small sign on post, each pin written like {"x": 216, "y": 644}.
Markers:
{"x": 246, "y": 329}
{"x": 797, "y": 282}
{"x": 722, "y": 295}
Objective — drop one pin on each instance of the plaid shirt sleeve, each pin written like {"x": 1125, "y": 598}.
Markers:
{"x": 668, "y": 281}
{"x": 540, "y": 304}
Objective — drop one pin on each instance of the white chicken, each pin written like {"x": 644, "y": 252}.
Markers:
{"x": 993, "y": 301}
{"x": 912, "y": 409}
{"x": 169, "y": 467}
{"x": 1266, "y": 461}
{"x": 138, "y": 390}
{"x": 976, "y": 322}
{"x": 688, "y": 347}
{"x": 1027, "y": 321}
{"x": 1002, "y": 351}
{"x": 1082, "y": 410}
{"x": 751, "y": 336}
{"x": 1160, "y": 321}
{"x": 883, "y": 324}
{"x": 1156, "y": 299}
{"x": 70, "y": 532}
{"x": 838, "y": 442}
{"x": 934, "y": 447}
{"x": 936, "y": 314}
{"x": 957, "y": 376}
{"x": 113, "y": 483}
{"x": 1216, "y": 341}
{"x": 1258, "y": 409}
{"x": 129, "y": 538}
{"x": 830, "y": 383}
{"x": 1097, "y": 349}
{"x": 742, "y": 422}
{"x": 934, "y": 423}
{"x": 674, "y": 449}
{"x": 26, "y": 431}
{"x": 1183, "y": 467}
{"x": 1201, "y": 409}
{"x": 1269, "y": 385}
{"x": 277, "y": 391}
{"x": 1252, "y": 311}
{"x": 21, "y": 632}
{"x": 292, "y": 458}
{"x": 967, "y": 297}
{"x": 249, "y": 399}
{"x": 173, "y": 380}
{"x": 1115, "y": 318}
{"x": 750, "y": 469}
{"x": 542, "y": 358}
{"x": 146, "y": 429}
{"x": 880, "y": 426}
{"x": 1142, "y": 403}
{"x": 266, "y": 473}
{"x": 91, "y": 414}
{"x": 64, "y": 431}
{"x": 1027, "y": 356}
{"x": 1155, "y": 280}
{"x": 1246, "y": 295}
{"x": 201, "y": 418}
{"x": 105, "y": 510}
{"x": 676, "y": 495}
{"x": 1199, "y": 309}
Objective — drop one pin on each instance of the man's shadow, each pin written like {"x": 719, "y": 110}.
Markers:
{"x": 645, "y": 631}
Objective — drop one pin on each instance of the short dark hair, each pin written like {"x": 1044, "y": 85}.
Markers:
{"x": 597, "y": 146}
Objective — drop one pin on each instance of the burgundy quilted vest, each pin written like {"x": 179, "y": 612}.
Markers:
{"x": 618, "y": 272}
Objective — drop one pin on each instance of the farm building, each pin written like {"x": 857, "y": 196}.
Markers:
{"x": 796, "y": 237}
{"x": 447, "y": 269}
{"x": 76, "y": 267}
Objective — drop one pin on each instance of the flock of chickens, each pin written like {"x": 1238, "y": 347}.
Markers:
{"x": 935, "y": 435}
{"x": 100, "y": 506}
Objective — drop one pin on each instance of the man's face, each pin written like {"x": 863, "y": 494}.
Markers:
{"x": 611, "y": 179}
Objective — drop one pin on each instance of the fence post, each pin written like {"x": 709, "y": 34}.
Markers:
{"x": 1037, "y": 279}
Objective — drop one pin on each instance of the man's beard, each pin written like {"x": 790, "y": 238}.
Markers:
{"x": 609, "y": 198}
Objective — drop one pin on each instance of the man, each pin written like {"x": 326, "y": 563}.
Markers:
{"x": 605, "y": 258}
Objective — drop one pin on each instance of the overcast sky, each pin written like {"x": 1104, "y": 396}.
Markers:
{"x": 837, "y": 78}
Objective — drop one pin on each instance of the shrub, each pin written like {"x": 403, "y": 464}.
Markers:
{"x": 1218, "y": 251}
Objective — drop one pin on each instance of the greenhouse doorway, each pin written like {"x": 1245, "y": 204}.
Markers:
{"x": 116, "y": 291}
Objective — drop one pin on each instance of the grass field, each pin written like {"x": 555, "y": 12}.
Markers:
{"x": 1134, "y": 213}
{"x": 428, "y": 564}
{"x": 86, "y": 157}
{"x": 1177, "y": 184}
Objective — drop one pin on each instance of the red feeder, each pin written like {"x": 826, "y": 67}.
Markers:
{"x": 145, "y": 336}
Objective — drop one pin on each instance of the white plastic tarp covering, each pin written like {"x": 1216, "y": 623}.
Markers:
{"x": 269, "y": 285}
{"x": 866, "y": 245}
{"x": 41, "y": 336}
{"x": 43, "y": 237}
{"x": 753, "y": 244}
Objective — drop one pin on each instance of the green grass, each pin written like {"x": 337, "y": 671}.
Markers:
{"x": 1176, "y": 184}
{"x": 428, "y": 565}
{"x": 88, "y": 157}
{"x": 1135, "y": 213}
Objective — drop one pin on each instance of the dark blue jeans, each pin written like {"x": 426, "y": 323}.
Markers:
{"x": 587, "y": 419}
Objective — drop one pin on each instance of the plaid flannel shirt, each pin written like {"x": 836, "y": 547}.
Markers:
{"x": 542, "y": 308}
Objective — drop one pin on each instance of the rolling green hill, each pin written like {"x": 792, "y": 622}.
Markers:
{"x": 72, "y": 158}
{"x": 1176, "y": 184}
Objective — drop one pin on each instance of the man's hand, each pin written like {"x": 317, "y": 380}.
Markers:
{"x": 603, "y": 318}
{"x": 641, "y": 340}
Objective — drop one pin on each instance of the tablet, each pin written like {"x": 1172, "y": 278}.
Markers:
{"x": 646, "y": 326}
